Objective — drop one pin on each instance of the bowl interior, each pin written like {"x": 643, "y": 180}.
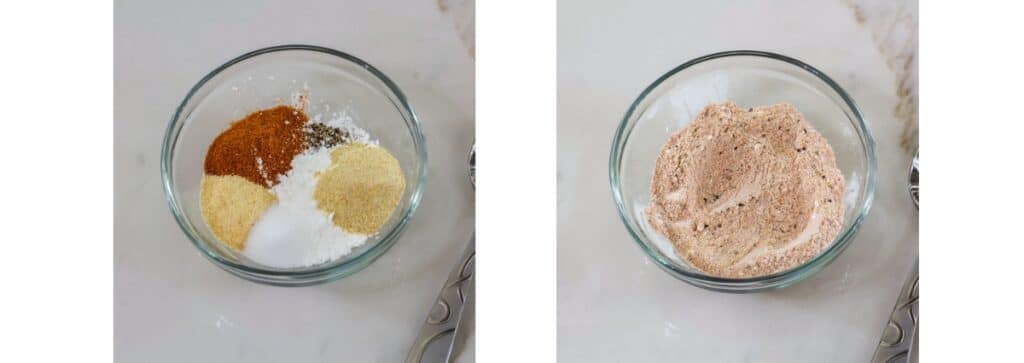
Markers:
{"x": 338, "y": 87}
{"x": 749, "y": 81}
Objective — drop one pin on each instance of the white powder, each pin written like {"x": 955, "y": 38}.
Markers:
{"x": 345, "y": 122}
{"x": 262, "y": 170}
{"x": 293, "y": 232}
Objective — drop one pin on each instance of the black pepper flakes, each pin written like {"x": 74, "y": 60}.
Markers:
{"x": 320, "y": 135}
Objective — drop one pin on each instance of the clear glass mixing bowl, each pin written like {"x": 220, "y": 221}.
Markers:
{"x": 268, "y": 77}
{"x": 749, "y": 78}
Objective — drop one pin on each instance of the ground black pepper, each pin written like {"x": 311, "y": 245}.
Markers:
{"x": 320, "y": 135}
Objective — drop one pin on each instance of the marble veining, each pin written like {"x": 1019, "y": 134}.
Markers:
{"x": 893, "y": 26}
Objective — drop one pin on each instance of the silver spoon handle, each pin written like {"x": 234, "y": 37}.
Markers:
{"x": 447, "y": 311}
{"x": 898, "y": 337}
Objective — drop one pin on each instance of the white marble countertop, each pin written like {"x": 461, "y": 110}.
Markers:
{"x": 170, "y": 304}
{"x": 614, "y": 304}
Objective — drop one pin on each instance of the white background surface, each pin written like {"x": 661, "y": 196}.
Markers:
{"x": 614, "y": 304}
{"x": 516, "y": 216}
{"x": 170, "y": 304}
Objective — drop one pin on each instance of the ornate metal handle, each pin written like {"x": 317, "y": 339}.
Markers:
{"x": 447, "y": 311}
{"x": 898, "y": 338}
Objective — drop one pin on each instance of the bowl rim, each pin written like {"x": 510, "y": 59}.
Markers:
{"x": 317, "y": 273}
{"x": 778, "y": 279}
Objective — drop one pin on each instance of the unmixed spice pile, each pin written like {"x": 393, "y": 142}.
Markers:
{"x": 747, "y": 192}
{"x": 289, "y": 191}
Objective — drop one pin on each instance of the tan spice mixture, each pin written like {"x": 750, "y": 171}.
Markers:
{"x": 230, "y": 205}
{"x": 361, "y": 188}
{"x": 743, "y": 193}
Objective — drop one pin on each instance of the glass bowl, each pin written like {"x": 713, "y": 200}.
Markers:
{"x": 337, "y": 83}
{"x": 749, "y": 78}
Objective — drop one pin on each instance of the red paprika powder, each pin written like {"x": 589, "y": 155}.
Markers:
{"x": 259, "y": 147}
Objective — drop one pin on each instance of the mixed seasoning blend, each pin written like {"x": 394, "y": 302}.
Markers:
{"x": 289, "y": 191}
{"x": 746, "y": 192}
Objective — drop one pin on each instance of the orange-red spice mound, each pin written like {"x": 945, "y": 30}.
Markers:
{"x": 259, "y": 147}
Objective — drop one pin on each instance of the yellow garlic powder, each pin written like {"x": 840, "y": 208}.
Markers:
{"x": 361, "y": 188}
{"x": 230, "y": 205}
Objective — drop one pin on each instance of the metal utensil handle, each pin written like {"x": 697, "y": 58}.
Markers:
{"x": 459, "y": 336}
{"x": 898, "y": 338}
{"x": 444, "y": 316}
